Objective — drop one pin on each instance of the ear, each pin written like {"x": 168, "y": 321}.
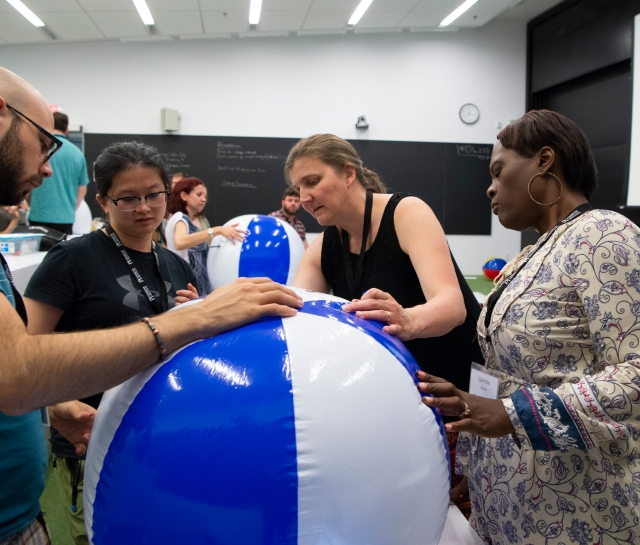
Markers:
{"x": 546, "y": 159}
{"x": 350, "y": 173}
{"x": 103, "y": 203}
{"x": 184, "y": 195}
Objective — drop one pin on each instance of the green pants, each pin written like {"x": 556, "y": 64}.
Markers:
{"x": 64, "y": 471}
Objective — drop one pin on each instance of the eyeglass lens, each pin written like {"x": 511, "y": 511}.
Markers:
{"x": 131, "y": 203}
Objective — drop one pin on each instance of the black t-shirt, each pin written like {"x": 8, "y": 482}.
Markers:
{"x": 389, "y": 269}
{"x": 88, "y": 279}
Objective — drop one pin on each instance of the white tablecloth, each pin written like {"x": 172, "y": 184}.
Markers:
{"x": 22, "y": 267}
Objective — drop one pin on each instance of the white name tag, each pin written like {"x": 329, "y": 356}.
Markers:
{"x": 483, "y": 382}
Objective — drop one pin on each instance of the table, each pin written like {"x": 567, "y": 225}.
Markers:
{"x": 22, "y": 268}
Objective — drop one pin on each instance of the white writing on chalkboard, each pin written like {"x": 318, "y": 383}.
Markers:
{"x": 235, "y": 152}
{"x": 242, "y": 169}
{"x": 227, "y": 183}
{"x": 175, "y": 162}
{"x": 471, "y": 150}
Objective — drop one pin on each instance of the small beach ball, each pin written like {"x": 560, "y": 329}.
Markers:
{"x": 302, "y": 430}
{"x": 493, "y": 267}
{"x": 272, "y": 248}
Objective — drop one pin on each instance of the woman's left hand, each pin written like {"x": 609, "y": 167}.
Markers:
{"x": 182, "y": 296}
{"x": 378, "y": 305}
{"x": 485, "y": 417}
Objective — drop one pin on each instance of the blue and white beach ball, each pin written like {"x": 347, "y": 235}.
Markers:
{"x": 302, "y": 430}
{"x": 272, "y": 248}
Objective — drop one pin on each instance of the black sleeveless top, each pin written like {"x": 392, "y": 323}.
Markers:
{"x": 389, "y": 269}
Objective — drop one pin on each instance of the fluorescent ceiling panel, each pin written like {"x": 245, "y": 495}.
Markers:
{"x": 359, "y": 12}
{"x": 254, "y": 12}
{"x": 26, "y": 13}
{"x": 457, "y": 12}
{"x": 144, "y": 12}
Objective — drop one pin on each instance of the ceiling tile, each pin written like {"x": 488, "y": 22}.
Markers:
{"x": 393, "y": 5}
{"x": 173, "y": 5}
{"x": 422, "y": 19}
{"x": 381, "y": 19}
{"x": 225, "y": 5}
{"x": 326, "y": 20}
{"x": 107, "y": 5}
{"x": 439, "y": 6}
{"x": 178, "y": 22}
{"x": 216, "y": 22}
{"x": 286, "y": 5}
{"x": 72, "y": 26}
{"x": 335, "y": 5}
{"x": 281, "y": 20}
{"x": 43, "y": 6}
{"x": 119, "y": 24}
{"x": 15, "y": 29}
{"x": 527, "y": 10}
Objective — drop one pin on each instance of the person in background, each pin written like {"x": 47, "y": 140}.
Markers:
{"x": 9, "y": 218}
{"x": 55, "y": 202}
{"x": 86, "y": 283}
{"x": 41, "y": 370}
{"x": 176, "y": 178}
{"x": 183, "y": 234}
{"x": 553, "y": 458}
{"x": 289, "y": 211}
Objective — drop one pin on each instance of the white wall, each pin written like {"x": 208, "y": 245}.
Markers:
{"x": 409, "y": 85}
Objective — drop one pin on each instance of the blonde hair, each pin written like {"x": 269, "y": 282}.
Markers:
{"x": 337, "y": 153}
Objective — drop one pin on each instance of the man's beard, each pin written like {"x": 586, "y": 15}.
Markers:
{"x": 291, "y": 211}
{"x": 11, "y": 166}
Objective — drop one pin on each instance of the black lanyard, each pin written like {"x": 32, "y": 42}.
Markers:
{"x": 157, "y": 306}
{"x": 20, "y": 309}
{"x": 491, "y": 303}
{"x": 353, "y": 284}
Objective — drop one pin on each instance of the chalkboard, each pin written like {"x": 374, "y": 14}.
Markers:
{"x": 244, "y": 175}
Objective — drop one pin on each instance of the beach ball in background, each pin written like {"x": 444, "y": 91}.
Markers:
{"x": 302, "y": 430}
{"x": 272, "y": 248}
{"x": 493, "y": 267}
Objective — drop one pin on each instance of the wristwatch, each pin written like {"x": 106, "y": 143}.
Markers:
{"x": 210, "y": 231}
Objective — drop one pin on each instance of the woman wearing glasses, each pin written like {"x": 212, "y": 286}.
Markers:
{"x": 184, "y": 232}
{"x": 110, "y": 277}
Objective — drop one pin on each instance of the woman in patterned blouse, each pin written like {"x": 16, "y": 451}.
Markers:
{"x": 556, "y": 458}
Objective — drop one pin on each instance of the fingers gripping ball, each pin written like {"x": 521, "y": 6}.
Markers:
{"x": 272, "y": 248}
{"x": 287, "y": 431}
{"x": 493, "y": 267}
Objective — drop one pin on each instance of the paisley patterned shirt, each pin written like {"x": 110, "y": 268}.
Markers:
{"x": 565, "y": 338}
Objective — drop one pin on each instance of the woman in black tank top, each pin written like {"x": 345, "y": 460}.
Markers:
{"x": 395, "y": 268}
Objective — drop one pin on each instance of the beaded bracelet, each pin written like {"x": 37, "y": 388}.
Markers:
{"x": 156, "y": 333}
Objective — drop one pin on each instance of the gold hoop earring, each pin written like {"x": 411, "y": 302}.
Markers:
{"x": 543, "y": 203}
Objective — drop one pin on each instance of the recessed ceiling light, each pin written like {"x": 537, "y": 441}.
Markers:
{"x": 26, "y": 12}
{"x": 254, "y": 12}
{"x": 359, "y": 12}
{"x": 456, "y": 13}
{"x": 144, "y": 12}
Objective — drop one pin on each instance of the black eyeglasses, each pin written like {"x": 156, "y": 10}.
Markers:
{"x": 129, "y": 204}
{"x": 47, "y": 151}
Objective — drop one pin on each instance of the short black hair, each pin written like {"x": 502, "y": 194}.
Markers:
{"x": 60, "y": 121}
{"x": 122, "y": 156}
{"x": 539, "y": 128}
{"x": 290, "y": 192}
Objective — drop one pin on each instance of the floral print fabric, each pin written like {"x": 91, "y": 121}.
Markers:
{"x": 565, "y": 338}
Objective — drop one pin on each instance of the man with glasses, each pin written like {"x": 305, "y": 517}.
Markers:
{"x": 55, "y": 202}
{"x": 41, "y": 370}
